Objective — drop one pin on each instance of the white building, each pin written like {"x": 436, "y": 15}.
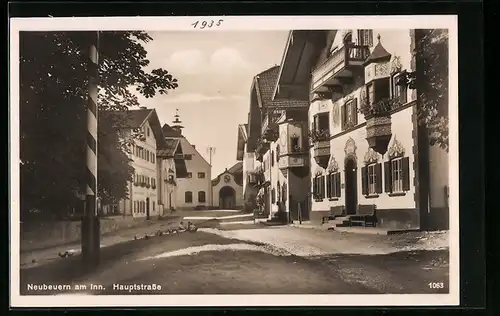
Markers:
{"x": 227, "y": 188}
{"x": 369, "y": 155}
{"x": 194, "y": 185}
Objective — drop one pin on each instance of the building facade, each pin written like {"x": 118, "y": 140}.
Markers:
{"x": 193, "y": 183}
{"x": 368, "y": 154}
{"x": 227, "y": 188}
{"x": 275, "y": 169}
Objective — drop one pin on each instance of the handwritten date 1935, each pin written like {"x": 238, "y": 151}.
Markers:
{"x": 206, "y": 24}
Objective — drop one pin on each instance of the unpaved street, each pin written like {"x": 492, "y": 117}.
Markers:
{"x": 236, "y": 262}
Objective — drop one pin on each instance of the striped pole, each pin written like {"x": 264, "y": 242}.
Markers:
{"x": 90, "y": 224}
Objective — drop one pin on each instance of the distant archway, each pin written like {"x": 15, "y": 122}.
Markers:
{"x": 227, "y": 198}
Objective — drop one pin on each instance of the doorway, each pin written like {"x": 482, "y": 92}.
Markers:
{"x": 351, "y": 186}
{"x": 227, "y": 198}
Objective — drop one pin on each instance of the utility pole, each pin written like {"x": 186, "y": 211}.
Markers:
{"x": 210, "y": 151}
{"x": 90, "y": 238}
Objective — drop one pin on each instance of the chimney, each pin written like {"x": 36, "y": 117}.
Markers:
{"x": 194, "y": 146}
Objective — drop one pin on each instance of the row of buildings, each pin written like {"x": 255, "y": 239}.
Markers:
{"x": 170, "y": 173}
{"x": 333, "y": 130}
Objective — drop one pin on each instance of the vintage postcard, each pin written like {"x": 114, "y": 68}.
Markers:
{"x": 234, "y": 161}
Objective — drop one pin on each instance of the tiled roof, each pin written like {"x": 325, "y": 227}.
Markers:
{"x": 169, "y": 150}
{"x": 238, "y": 167}
{"x": 266, "y": 82}
{"x": 135, "y": 118}
{"x": 169, "y": 131}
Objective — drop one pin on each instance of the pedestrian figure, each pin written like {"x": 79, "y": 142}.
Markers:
{"x": 191, "y": 227}
{"x": 181, "y": 227}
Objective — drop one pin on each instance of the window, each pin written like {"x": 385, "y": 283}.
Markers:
{"x": 154, "y": 158}
{"x": 365, "y": 37}
{"x": 273, "y": 196}
{"x": 319, "y": 188}
{"x": 399, "y": 92}
{"x": 188, "y": 197}
{"x": 397, "y": 178}
{"x": 321, "y": 122}
{"x": 272, "y": 158}
{"x": 371, "y": 94}
{"x": 188, "y": 157}
{"x": 190, "y": 175}
{"x": 201, "y": 175}
{"x": 201, "y": 197}
{"x": 333, "y": 185}
{"x": 147, "y": 131}
{"x": 153, "y": 206}
{"x": 371, "y": 177}
{"x": 153, "y": 182}
{"x": 350, "y": 114}
{"x": 294, "y": 144}
{"x": 135, "y": 207}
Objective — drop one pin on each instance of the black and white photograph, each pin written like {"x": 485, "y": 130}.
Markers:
{"x": 234, "y": 161}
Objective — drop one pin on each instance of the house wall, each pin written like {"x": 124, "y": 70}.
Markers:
{"x": 166, "y": 190}
{"x": 392, "y": 211}
{"x": 274, "y": 175}
{"x": 248, "y": 166}
{"x": 221, "y": 183}
{"x": 194, "y": 184}
{"x": 438, "y": 213}
{"x": 142, "y": 167}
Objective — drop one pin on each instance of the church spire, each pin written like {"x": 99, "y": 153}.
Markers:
{"x": 177, "y": 123}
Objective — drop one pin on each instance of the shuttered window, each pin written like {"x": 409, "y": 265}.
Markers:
{"x": 333, "y": 185}
{"x": 371, "y": 178}
{"x": 319, "y": 187}
{"x": 397, "y": 175}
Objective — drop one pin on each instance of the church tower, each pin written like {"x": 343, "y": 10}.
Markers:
{"x": 177, "y": 123}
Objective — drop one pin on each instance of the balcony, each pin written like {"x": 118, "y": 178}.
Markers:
{"x": 340, "y": 68}
{"x": 321, "y": 145}
{"x": 293, "y": 150}
{"x": 269, "y": 129}
{"x": 262, "y": 148}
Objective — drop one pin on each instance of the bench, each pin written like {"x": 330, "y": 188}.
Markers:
{"x": 335, "y": 211}
{"x": 365, "y": 216}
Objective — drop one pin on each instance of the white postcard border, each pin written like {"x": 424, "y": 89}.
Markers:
{"x": 234, "y": 23}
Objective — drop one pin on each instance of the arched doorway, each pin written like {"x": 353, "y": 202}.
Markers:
{"x": 351, "y": 185}
{"x": 227, "y": 198}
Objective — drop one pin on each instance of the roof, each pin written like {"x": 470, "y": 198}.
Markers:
{"x": 379, "y": 53}
{"x": 238, "y": 167}
{"x": 236, "y": 170}
{"x": 170, "y": 148}
{"x": 265, "y": 83}
{"x": 136, "y": 118}
{"x": 168, "y": 131}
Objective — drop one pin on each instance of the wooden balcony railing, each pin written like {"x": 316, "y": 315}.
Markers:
{"x": 340, "y": 59}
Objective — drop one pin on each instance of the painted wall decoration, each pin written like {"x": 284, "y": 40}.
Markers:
{"x": 396, "y": 65}
{"x": 371, "y": 157}
{"x": 333, "y": 166}
{"x": 318, "y": 172}
{"x": 336, "y": 114}
{"x": 396, "y": 149}
{"x": 350, "y": 147}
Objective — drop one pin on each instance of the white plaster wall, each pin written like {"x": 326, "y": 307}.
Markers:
{"x": 145, "y": 168}
{"x": 197, "y": 164}
{"x": 238, "y": 189}
{"x": 396, "y": 42}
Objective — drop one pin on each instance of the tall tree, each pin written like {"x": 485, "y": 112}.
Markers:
{"x": 432, "y": 81}
{"x": 53, "y": 94}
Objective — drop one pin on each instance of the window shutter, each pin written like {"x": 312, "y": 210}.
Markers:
{"x": 322, "y": 186}
{"x": 388, "y": 176}
{"x": 342, "y": 116}
{"x": 329, "y": 185}
{"x": 406, "y": 173}
{"x": 364, "y": 180}
{"x": 378, "y": 177}
{"x": 355, "y": 111}
{"x": 337, "y": 184}
{"x": 314, "y": 188}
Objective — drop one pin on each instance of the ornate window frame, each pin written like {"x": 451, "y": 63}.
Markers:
{"x": 333, "y": 171}
{"x": 396, "y": 154}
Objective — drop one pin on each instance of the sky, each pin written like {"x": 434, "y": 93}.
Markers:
{"x": 214, "y": 71}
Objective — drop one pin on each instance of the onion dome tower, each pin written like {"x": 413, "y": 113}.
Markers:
{"x": 177, "y": 123}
